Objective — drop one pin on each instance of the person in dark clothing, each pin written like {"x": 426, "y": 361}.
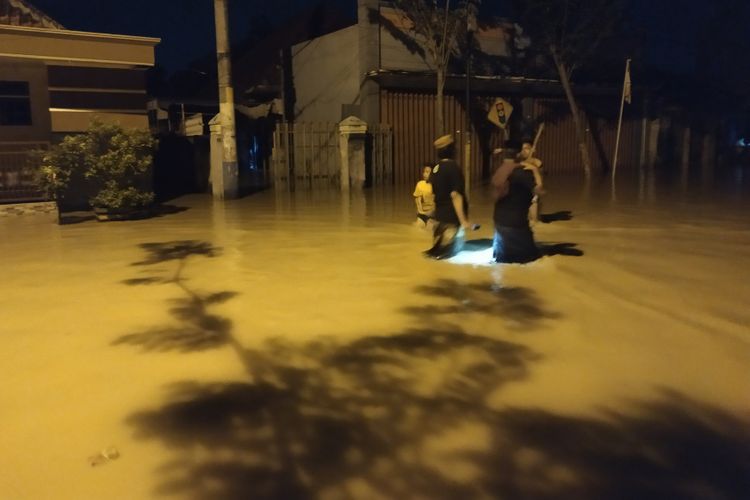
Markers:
{"x": 451, "y": 205}
{"x": 514, "y": 191}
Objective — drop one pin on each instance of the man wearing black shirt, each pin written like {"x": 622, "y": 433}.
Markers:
{"x": 451, "y": 206}
{"x": 514, "y": 188}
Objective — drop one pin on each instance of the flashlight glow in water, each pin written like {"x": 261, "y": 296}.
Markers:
{"x": 474, "y": 257}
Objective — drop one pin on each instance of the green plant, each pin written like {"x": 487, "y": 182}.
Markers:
{"x": 107, "y": 165}
{"x": 60, "y": 167}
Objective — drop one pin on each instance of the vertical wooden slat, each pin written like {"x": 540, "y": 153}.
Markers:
{"x": 404, "y": 137}
{"x": 321, "y": 170}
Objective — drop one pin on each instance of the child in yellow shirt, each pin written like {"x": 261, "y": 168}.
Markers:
{"x": 424, "y": 198}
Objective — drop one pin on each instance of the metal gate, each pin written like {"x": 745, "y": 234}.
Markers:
{"x": 380, "y": 154}
{"x": 17, "y": 172}
{"x": 309, "y": 154}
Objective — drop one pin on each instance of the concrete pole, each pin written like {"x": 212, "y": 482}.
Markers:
{"x": 471, "y": 27}
{"x": 224, "y": 185}
{"x": 467, "y": 130}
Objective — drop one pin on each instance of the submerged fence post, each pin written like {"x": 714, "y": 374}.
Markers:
{"x": 352, "y": 132}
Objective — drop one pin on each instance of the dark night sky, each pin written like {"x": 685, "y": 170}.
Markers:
{"x": 187, "y": 30}
{"x": 186, "y": 27}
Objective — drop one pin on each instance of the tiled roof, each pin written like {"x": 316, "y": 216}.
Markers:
{"x": 22, "y": 13}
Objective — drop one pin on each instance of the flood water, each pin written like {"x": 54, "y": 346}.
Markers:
{"x": 298, "y": 345}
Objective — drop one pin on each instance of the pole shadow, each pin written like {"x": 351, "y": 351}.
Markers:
{"x": 545, "y": 249}
{"x": 567, "y": 248}
{"x": 562, "y": 215}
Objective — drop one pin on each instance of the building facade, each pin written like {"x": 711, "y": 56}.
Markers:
{"x": 368, "y": 70}
{"x": 54, "y": 81}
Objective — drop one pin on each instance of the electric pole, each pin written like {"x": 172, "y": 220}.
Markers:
{"x": 471, "y": 27}
{"x": 224, "y": 176}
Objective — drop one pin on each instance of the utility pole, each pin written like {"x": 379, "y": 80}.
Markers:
{"x": 224, "y": 176}
{"x": 471, "y": 27}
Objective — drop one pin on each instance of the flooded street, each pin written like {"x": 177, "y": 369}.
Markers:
{"x": 299, "y": 346}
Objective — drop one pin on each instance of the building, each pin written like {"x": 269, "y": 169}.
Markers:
{"x": 54, "y": 81}
{"x": 368, "y": 69}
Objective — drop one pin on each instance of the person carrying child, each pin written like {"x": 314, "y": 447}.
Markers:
{"x": 514, "y": 186}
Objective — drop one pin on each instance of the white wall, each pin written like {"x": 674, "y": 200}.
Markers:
{"x": 395, "y": 56}
{"x": 326, "y": 75}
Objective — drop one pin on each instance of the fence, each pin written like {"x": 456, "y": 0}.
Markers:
{"x": 309, "y": 154}
{"x": 380, "y": 154}
{"x": 558, "y": 147}
{"x": 412, "y": 115}
{"x": 17, "y": 172}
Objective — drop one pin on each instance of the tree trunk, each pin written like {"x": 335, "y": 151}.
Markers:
{"x": 563, "y": 72}
{"x": 439, "y": 118}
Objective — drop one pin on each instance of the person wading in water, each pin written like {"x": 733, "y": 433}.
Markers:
{"x": 451, "y": 206}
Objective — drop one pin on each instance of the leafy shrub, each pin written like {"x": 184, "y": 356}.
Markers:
{"x": 108, "y": 165}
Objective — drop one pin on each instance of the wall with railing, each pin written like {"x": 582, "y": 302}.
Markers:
{"x": 308, "y": 154}
{"x": 17, "y": 171}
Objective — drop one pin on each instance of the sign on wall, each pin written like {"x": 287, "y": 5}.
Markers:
{"x": 500, "y": 112}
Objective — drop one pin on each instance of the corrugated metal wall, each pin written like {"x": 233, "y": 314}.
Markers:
{"x": 412, "y": 116}
{"x": 558, "y": 146}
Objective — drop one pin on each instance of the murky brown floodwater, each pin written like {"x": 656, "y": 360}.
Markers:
{"x": 299, "y": 346}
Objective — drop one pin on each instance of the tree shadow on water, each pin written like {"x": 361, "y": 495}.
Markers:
{"x": 670, "y": 447}
{"x": 519, "y": 306}
{"x": 360, "y": 419}
{"x": 408, "y": 416}
{"x": 194, "y": 326}
{"x": 321, "y": 418}
{"x": 179, "y": 250}
{"x": 417, "y": 414}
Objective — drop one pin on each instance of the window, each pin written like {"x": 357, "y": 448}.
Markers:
{"x": 15, "y": 104}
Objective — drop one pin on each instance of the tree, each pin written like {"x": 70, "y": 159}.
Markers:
{"x": 434, "y": 30}
{"x": 570, "y": 32}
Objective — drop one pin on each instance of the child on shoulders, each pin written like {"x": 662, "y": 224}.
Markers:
{"x": 534, "y": 165}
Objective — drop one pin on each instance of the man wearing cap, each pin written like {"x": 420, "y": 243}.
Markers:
{"x": 451, "y": 205}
